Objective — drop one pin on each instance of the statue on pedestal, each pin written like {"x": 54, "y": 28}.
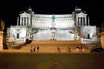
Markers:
{"x": 53, "y": 21}
{"x": 2, "y": 25}
{"x": 2, "y": 40}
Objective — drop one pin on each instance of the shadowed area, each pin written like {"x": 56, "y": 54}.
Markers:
{"x": 51, "y": 61}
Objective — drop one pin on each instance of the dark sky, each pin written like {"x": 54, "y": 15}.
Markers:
{"x": 9, "y": 9}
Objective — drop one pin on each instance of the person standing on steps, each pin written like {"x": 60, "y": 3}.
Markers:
{"x": 37, "y": 48}
{"x": 31, "y": 49}
{"x": 58, "y": 50}
{"x": 69, "y": 49}
{"x": 34, "y": 49}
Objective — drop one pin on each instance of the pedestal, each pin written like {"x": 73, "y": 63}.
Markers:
{"x": 1, "y": 40}
{"x": 102, "y": 39}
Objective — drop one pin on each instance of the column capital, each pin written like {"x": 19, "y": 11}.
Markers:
{"x": 85, "y": 21}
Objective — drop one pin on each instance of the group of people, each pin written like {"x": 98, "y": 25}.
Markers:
{"x": 34, "y": 49}
{"x": 59, "y": 50}
{"x": 80, "y": 48}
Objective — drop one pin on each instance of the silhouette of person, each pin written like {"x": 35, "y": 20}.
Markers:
{"x": 33, "y": 49}
{"x": 69, "y": 49}
{"x": 77, "y": 49}
{"x": 58, "y": 49}
{"x": 37, "y": 48}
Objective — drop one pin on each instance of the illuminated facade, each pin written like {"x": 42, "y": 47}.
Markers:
{"x": 68, "y": 27}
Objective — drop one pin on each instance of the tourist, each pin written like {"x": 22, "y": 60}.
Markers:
{"x": 34, "y": 49}
{"x": 37, "y": 48}
{"x": 77, "y": 49}
{"x": 69, "y": 49}
{"x": 83, "y": 49}
{"x": 31, "y": 49}
{"x": 58, "y": 49}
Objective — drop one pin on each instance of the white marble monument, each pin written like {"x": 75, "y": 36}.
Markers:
{"x": 52, "y": 27}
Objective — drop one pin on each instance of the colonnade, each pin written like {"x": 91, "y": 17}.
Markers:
{"x": 23, "y": 21}
{"x": 82, "y": 19}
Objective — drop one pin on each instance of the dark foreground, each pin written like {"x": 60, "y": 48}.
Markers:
{"x": 51, "y": 61}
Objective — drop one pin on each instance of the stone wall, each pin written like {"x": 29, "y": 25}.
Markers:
{"x": 88, "y": 32}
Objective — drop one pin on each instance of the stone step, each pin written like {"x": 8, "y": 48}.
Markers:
{"x": 52, "y": 46}
{"x": 56, "y": 42}
{"x": 47, "y": 45}
{"x": 55, "y": 50}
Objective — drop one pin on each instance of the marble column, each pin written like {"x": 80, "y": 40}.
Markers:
{"x": 82, "y": 21}
{"x": 17, "y": 21}
{"x": 20, "y": 21}
{"x": 23, "y": 21}
{"x": 29, "y": 21}
{"x": 76, "y": 21}
{"x": 79, "y": 21}
{"x": 88, "y": 21}
{"x": 26, "y": 21}
{"x": 85, "y": 21}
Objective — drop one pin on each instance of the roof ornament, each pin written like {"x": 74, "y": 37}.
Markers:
{"x": 77, "y": 8}
{"x": 30, "y": 9}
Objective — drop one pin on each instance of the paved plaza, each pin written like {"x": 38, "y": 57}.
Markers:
{"x": 51, "y": 61}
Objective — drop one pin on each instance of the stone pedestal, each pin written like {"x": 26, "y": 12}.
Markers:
{"x": 102, "y": 39}
{"x": 1, "y": 40}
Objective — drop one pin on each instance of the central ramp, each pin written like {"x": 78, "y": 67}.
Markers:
{"x": 64, "y": 35}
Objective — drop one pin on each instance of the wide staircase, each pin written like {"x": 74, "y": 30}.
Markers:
{"x": 52, "y": 46}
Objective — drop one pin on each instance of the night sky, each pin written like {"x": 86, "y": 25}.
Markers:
{"x": 9, "y": 9}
